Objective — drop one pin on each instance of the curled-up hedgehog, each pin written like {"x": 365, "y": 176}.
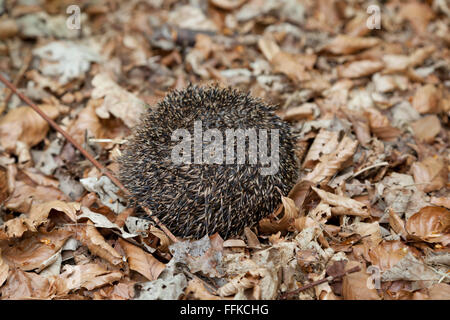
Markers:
{"x": 209, "y": 160}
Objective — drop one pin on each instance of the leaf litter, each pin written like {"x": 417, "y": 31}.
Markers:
{"x": 370, "y": 109}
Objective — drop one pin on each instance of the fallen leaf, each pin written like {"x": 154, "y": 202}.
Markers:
{"x": 89, "y": 276}
{"x": 387, "y": 254}
{"x": 355, "y": 285}
{"x": 426, "y": 128}
{"x": 141, "y": 261}
{"x": 360, "y": 68}
{"x": 25, "y": 125}
{"x": 268, "y": 225}
{"x": 37, "y": 251}
{"x": 426, "y": 99}
{"x": 38, "y": 214}
{"x": 343, "y": 205}
{"x": 4, "y": 270}
{"x": 117, "y": 101}
{"x": 430, "y": 174}
{"x": 430, "y": 224}
{"x": 418, "y": 14}
{"x": 27, "y": 285}
{"x": 90, "y": 237}
{"x": 344, "y": 44}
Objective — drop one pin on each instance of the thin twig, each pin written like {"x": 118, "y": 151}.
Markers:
{"x": 97, "y": 164}
{"x": 316, "y": 283}
{"x": 26, "y": 64}
{"x": 381, "y": 164}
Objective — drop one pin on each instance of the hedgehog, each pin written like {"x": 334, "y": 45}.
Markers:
{"x": 199, "y": 190}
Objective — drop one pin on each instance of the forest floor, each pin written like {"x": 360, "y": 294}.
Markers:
{"x": 366, "y": 88}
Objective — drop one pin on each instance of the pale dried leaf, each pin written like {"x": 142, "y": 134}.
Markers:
{"x": 89, "y": 276}
{"x": 343, "y": 204}
{"x": 430, "y": 174}
{"x": 360, "y": 68}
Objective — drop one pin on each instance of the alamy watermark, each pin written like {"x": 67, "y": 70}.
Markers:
{"x": 73, "y": 22}
{"x": 374, "y": 21}
{"x": 208, "y": 147}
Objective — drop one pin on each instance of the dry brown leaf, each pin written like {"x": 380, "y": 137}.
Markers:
{"x": 164, "y": 240}
{"x": 370, "y": 232}
{"x": 268, "y": 225}
{"x": 204, "y": 255}
{"x": 299, "y": 192}
{"x": 360, "y": 68}
{"x": 426, "y": 99}
{"x": 355, "y": 285}
{"x": 39, "y": 178}
{"x": 430, "y": 174}
{"x": 290, "y": 65}
{"x": 304, "y": 111}
{"x": 234, "y": 243}
{"x": 90, "y": 237}
{"x": 117, "y": 101}
{"x": 141, "y": 261}
{"x": 441, "y": 201}
{"x": 439, "y": 291}
{"x": 344, "y": 44}
{"x": 86, "y": 122}
{"x": 430, "y": 224}
{"x": 331, "y": 163}
{"x": 27, "y": 285}
{"x": 324, "y": 143}
{"x": 252, "y": 239}
{"x": 247, "y": 281}
{"x": 25, "y": 125}
{"x": 427, "y": 128}
{"x": 410, "y": 268}
{"x": 37, "y": 251}
{"x": 397, "y": 224}
{"x": 343, "y": 205}
{"x": 25, "y": 194}
{"x": 420, "y": 55}
{"x": 387, "y": 254}
{"x": 381, "y": 126}
{"x": 418, "y": 14}
{"x": 89, "y": 276}
{"x": 4, "y": 269}
{"x": 38, "y": 214}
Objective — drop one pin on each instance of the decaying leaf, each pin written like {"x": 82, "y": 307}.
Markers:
{"x": 36, "y": 252}
{"x": 343, "y": 205}
{"x": 141, "y": 261}
{"x": 344, "y": 44}
{"x": 355, "y": 285}
{"x": 430, "y": 224}
{"x": 285, "y": 222}
{"x": 430, "y": 174}
{"x": 117, "y": 101}
{"x": 38, "y": 214}
{"x": 89, "y": 276}
{"x": 90, "y": 237}
{"x": 27, "y": 285}
{"x": 25, "y": 125}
